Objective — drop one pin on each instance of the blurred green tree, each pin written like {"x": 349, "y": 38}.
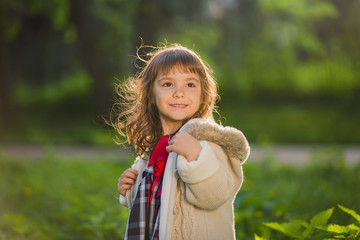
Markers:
{"x": 261, "y": 51}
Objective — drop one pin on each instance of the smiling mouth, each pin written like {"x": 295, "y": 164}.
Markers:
{"x": 179, "y": 105}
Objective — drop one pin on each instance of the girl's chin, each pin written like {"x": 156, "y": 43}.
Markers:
{"x": 176, "y": 120}
{"x": 180, "y": 118}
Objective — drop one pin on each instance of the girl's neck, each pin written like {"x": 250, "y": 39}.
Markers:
{"x": 169, "y": 130}
{"x": 170, "y": 133}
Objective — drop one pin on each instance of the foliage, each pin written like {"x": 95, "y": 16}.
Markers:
{"x": 284, "y": 122}
{"x": 73, "y": 89}
{"x": 57, "y": 11}
{"x": 275, "y": 47}
{"x": 319, "y": 228}
{"x": 54, "y": 198}
{"x": 296, "y": 61}
{"x": 276, "y": 193}
{"x": 56, "y": 122}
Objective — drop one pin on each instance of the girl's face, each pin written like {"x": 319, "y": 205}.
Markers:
{"x": 177, "y": 97}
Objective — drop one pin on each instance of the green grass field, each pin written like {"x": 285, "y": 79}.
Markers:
{"x": 54, "y": 198}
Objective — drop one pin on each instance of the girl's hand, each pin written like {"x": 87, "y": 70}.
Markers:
{"x": 185, "y": 145}
{"x": 127, "y": 180}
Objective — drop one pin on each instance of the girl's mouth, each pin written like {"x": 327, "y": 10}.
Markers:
{"x": 179, "y": 105}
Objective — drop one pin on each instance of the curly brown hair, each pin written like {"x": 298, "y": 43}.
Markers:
{"x": 135, "y": 115}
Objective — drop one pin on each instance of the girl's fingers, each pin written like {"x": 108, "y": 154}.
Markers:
{"x": 133, "y": 171}
{"x": 122, "y": 190}
{"x": 126, "y": 186}
{"x": 171, "y": 142}
{"x": 130, "y": 173}
{"x": 127, "y": 181}
{"x": 169, "y": 148}
{"x": 123, "y": 187}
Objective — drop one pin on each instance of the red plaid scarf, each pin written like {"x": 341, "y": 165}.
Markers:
{"x": 143, "y": 222}
{"x": 158, "y": 158}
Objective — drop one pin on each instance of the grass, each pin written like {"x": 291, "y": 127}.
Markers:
{"x": 54, "y": 198}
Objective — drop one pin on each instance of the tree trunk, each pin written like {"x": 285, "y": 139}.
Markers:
{"x": 92, "y": 53}
{"x": 146, "y": 25}
{"x": 7, "y": 111}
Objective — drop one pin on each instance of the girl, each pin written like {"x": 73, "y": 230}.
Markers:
{"x": 189, "y": 169}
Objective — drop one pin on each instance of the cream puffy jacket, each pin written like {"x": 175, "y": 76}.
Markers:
{"x": 197, "y": 197}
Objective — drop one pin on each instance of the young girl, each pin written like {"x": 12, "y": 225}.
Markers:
{"x": 189, "y": 169}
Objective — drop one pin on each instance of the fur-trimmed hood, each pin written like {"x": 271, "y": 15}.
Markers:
{"x": 230, "y": 139}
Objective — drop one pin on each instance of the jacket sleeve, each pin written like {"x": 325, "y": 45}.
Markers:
{"x": 129, "y": 198}
{"x": 209, "y": 181}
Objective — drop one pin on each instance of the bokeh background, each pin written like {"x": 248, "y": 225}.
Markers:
{"x": 288, "y": 73}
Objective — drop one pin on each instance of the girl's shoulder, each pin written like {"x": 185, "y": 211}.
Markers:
{"x": 140, "y": 162}
{"x": 230, "y": 139}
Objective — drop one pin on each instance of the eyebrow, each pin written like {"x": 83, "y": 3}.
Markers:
{"x": 170, "y": 78}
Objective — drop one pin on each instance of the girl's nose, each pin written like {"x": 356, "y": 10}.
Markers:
{"x": 179, "y": 92}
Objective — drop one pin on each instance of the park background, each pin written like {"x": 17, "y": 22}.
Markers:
{"x": 288, "y": 74}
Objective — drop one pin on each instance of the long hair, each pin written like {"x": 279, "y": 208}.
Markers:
{"x": 135, "y": 115}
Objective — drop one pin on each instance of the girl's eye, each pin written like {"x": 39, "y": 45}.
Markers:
{"x": 167, "y": 84}
{"x": 191, "y": 85}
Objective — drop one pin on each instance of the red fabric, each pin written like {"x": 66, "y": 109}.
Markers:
{"x": 158, "y": 158}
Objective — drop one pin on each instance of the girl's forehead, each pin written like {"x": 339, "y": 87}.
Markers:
{"x": 176, "y": 69}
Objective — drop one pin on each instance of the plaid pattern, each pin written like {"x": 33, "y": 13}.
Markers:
{"x": 143, "y": 223}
